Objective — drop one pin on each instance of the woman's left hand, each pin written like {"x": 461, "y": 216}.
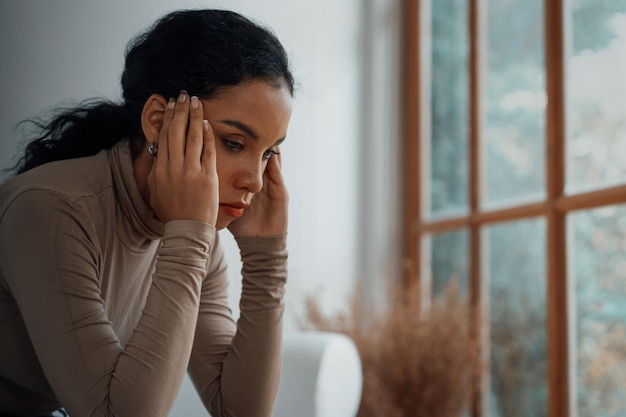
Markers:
{"x": 267, "y": 215}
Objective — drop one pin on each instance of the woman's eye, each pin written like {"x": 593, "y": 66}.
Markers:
{"x": 268, "y": 154}
{"x": 233, "y": 146}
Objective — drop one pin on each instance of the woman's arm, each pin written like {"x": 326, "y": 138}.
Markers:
{"x": 52, "y": 263}
{"x": 237, "y": 374}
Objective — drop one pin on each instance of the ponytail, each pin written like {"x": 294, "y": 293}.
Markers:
{"x": 84, "y": 130}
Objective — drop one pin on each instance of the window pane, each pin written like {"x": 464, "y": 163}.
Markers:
{"x": 515, "y": 103}
{"x": 449, "y": 261}
{"x": 599, "y": 272}
{"x": 517, "y": 295}
{"x": 449, "y": 107}
{"x": 596, "y": 152}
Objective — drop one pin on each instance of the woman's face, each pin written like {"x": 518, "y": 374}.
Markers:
{"x": 249, "y": 121}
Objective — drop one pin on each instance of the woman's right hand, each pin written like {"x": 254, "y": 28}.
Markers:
{"x": 183, "y": 181}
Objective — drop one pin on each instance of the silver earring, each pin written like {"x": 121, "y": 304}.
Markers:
{"x": 153, "y": 150}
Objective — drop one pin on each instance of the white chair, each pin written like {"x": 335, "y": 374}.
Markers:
{"x": 321, "y": 377}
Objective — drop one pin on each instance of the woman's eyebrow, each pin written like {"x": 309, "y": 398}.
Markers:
{"x": 246, "y": 129}
{"x": 241, "y": 126}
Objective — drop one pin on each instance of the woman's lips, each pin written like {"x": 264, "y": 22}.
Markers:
{"x": 232, "y": 211}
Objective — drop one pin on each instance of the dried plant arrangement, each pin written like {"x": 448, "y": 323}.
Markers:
{"x": 417, "y": 362}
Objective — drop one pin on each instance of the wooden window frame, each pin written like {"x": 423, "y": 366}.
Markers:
{"x": 554, "y": 208}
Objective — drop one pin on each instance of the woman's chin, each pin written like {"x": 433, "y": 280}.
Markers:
{"x": 222, "y": 222}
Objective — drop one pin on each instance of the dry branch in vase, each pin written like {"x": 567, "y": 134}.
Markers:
{"x": 416, "y": 363}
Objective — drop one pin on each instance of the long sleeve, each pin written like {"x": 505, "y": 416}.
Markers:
{"x": 236, "y": 369}
{"x": 53, "y": 263}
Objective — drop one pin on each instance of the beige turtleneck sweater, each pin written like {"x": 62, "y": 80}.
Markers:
{"x": 103, "y": 308}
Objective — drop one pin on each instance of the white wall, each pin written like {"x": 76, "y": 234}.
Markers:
{"x": 340, "y": 159}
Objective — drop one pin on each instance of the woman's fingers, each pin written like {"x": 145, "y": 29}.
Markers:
{"x": 208, "y": 148}
{"x": 177, "y": 132}
{"x": 188, "y": 134}
{"x": 163, "y": 134}
{"x": 274, "y": 169}
{"x": 209, "y": 169}
{"x": 195, "y": 135}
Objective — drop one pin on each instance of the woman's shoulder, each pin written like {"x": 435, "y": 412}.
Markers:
{"x": 69, "y": 180}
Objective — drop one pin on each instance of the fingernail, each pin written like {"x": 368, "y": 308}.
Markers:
{"x": 194, "y": 102}
{"x": 205, "y": 125}
{"x": 182, "y": 97}
{"x": 171, "y": 103}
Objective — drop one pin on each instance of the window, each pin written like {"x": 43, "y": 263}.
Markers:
{"x": 515, "y": 183}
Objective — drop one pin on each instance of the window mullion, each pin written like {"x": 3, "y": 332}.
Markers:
{"x": 477, "y": 287}
{"x": 412, "y": 143}
{"x": 558, "y": 363}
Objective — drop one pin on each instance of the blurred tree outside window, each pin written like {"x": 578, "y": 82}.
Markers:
{"x": 487, "y": 216}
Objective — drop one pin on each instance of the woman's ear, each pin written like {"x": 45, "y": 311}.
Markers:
{"x": 152, "y": 117}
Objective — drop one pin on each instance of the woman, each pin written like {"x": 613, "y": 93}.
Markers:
{"x": 112, "y": 280}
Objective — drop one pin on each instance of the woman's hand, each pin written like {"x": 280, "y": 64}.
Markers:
{"x": 183, "y": 181}
{"x": 267, "y": 215}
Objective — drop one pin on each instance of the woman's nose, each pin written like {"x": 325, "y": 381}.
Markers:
{"x": 250, "y": 177}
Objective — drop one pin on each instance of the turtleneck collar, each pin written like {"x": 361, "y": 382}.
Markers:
{"x": 134, "y": 209}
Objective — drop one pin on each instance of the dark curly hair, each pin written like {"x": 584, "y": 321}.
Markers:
{"x": 201, "y": 51}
